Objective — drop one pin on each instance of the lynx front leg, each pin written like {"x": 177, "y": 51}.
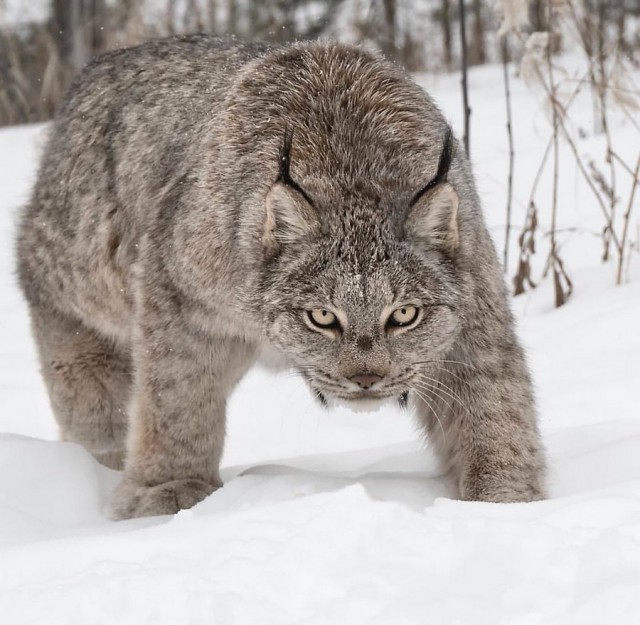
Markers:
{"x": 485, "y": 431}
{"x": 178, "y": 418}
{"x": 89, "y": 379}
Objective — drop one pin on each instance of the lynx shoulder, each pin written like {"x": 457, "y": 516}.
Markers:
{"x": 201, "y": 198}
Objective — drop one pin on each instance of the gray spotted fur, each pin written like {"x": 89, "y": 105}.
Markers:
{"x": 158, "y": 255}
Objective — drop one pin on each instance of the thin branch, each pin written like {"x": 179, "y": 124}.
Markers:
{"x": 625, "y": 226}
{"x": 626, "y": 167}
{"x": 587, "y": 178}
{"x": 465, "y": 86}
{"x": 507, "y": 93}
{"x": 559, "y": 273}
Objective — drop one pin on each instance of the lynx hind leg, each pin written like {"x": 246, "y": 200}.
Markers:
{"x": 88, "y": 380}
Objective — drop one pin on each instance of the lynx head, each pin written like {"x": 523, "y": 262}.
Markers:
{"x": 360, "y": 288}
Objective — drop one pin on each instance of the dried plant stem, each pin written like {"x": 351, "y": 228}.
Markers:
{"x": 507, "y": 93}
{"x": 587, "y": 177}
{"x": 526, "y": 239}
{"x": 554, "y": 118}
{"x": 465, "y": 86}
{"x": 608, "y": 230}
{"x": 625, "y": 223}
{"x": 554, "y": 192}
{"x": 547, "y": 149}
{"x": 559, "y": 119}
{"x": 543, "y": 162}
{"x": 624, "y": 165}
{"x": 527, "y": 244}
{"x": 562, "y": 292}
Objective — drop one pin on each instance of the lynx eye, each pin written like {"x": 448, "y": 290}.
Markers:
{"x": 324, "y": 319}
{"x": 403, "y": 316}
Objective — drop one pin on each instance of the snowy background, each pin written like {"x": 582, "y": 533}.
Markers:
{"x": 333, "y": 517}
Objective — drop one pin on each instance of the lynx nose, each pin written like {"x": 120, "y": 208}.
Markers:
{"x": 365, "y": 380}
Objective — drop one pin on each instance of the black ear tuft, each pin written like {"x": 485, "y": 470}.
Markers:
{"x": 446, "y": 156}
{"x": 284, "y": 174}
{"x": 285, "y": 157}
{"x": 433, "y": 212}
{"x": 444, "y": 164}
{"x": 289, "y": 212}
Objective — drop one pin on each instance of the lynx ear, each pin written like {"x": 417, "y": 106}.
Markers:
{"x": 288, "y": 218}
{"x": 434, "y": 218}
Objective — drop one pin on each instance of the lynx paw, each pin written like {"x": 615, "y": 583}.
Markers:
{"x": 131, "y": 500}
{"x": 112, "y": 459}
{"x": 495, "y": 490}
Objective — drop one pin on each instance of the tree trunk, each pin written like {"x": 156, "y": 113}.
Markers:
{"x": 389, "y": 42}
{"x": 171, "y": 17}
{"x": 95, "y": 16}
{"x": 63, "y": 19}
{"x": 538, "y": 15}
{"x": 232, "y": 17}
{"x": 621, "y": 26}
{"x": 477, "y": 54}
{"x": 212, "y": 18}
{"x": 192, "y": 20}
{"x": 465, "y": 88}
{"x": 445, "y": 19}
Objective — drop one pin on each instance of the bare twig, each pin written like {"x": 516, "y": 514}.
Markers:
{"x": 585, "y": 174}
{"x": 527, "y": 244}
{"x": 507, "y": 93}
{"x": 560, "y": 119}
{"x": 563, "y": 286}
{"x": 562, "y": 291}
{"x": 625, "y": 222}
{"x": 526, "y": 240}
{"x": 465, "y": 87}
{"x": 624, "y": 165}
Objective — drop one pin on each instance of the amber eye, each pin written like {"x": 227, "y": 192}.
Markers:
{"x": 324, "y": 319}
{"x": 403, "y": 316}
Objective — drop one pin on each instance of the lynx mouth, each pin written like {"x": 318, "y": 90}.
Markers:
{"x": 363, "y": 402}
{"x": 321, "y": 398}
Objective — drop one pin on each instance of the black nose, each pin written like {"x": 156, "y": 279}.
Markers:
{"x": 365, "y": 380}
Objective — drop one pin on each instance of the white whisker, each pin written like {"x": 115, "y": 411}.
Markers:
{"x": 447, "y": 390}
{"x": 451, "y": 373}
{"x": 454, "y": 362}
{"x": 426, "y": 401}
{"x": 432, "y": 389}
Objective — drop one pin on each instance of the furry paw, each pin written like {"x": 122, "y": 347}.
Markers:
{"x": 130, "y": 499}
{"x": 112, "y": 459}
{"x": 497, "y": 490}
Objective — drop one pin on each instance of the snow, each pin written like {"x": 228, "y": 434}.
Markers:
{"x": 336, "y": 517}
{"x": 15, "y": 12}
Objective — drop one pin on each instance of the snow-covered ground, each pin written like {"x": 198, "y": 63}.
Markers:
{"x": 333, "y": 517}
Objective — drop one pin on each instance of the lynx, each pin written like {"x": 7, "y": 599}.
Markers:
{"x": 202, "y": 198}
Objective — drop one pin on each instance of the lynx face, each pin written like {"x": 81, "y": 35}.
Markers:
{"x": 361, "y": 352}
{"x": 361, "y": 293}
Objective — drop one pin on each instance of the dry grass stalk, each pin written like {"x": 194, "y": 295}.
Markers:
{"x": 608, "y": 77}
{"x": 561, "y": 282}
{"x": 465, "y": 89}
{"x": 507, "y": 94}
{"x": 527, "y": 244}
{"x": 625, "y": 223}
{"x": 607, "y": 190}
